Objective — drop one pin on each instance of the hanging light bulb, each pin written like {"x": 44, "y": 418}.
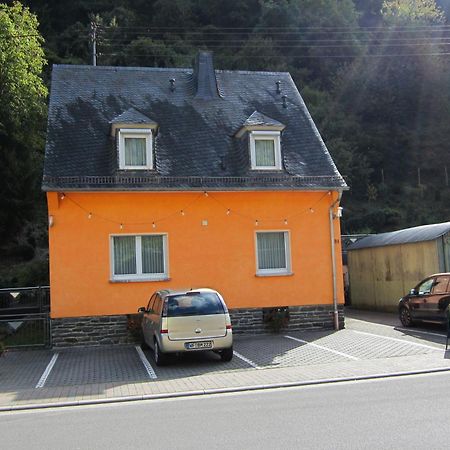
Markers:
{"x": 228, "y": 212}
{"x": 206, "y": 194}
{"x": 256, "y": 222}
{"x": 285, "y": 221}
{"x": 153, "y": 225}
{"x": 311, "y": 210}
{"x": 90, "y": 216}
{"x": 62, "y": 197}
{"x": 182, "y": 212}
{"x": 121, "y": 226}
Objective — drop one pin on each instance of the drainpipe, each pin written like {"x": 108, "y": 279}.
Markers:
{"x": 333, "y": 258}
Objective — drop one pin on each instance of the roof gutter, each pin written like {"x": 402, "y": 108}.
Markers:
{"x": 333, "y": 261}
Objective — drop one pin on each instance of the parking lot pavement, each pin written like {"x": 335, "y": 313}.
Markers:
{"x": 364, "y": 347}
{"x": 23, "y": 369}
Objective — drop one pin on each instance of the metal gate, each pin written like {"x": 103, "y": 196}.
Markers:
{"x": 24, "y": 317}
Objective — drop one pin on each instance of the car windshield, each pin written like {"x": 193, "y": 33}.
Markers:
{"x": 194, "y": 304}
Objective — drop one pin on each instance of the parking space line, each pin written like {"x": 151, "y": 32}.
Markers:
{"x": 323, "y": 348}
{"x": 47, "y": 371}
{"x": 421, "y": 332}
{"x": 396, "y": 327}
{"x": 147, "y": 365}
{"x": 397, "y": 340}
{"x": 248, "y": 361}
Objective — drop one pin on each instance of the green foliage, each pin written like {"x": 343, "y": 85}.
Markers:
{"x": 400, "y": 12}
{"x": 21, "y": 60}
{"x": 22, "y": 116}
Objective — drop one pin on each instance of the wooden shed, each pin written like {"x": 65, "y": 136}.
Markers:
{"x": 383, "y": 267}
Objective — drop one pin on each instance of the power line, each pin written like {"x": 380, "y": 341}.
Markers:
{"x": 289, "y": 27}
{"x": 171, "y": 55}
{"x": 261, "y": 46}
{"x": 353, "y": 40}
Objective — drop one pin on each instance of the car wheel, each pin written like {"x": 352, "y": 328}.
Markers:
{"x": 405, "y": 317}
{"x": 160, "y": 357}
{"x": 227, "y": 354}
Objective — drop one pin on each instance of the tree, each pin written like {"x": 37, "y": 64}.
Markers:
{"x": 22, "y": 114}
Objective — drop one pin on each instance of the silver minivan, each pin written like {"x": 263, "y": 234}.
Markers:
{"x": 176, "y": 321}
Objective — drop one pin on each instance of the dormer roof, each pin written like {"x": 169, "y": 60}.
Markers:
{"x": 259, "y": 121}
{"x": 131, "y": 118}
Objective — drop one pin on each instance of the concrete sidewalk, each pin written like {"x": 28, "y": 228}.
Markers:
{"x": 370, "y": 346}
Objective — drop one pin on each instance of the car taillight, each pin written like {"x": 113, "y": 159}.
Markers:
{"x": 164, "y": 331}
{"x": 228, "y": 327}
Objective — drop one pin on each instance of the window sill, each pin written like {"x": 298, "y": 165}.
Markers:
{"x": 138, "y": 280}
{"x": 275, "y": 274}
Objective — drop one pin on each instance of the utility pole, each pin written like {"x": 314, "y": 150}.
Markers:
{"x": 93, "y": 36}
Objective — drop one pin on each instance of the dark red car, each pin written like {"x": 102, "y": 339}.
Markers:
{"x": 428, "y": 301}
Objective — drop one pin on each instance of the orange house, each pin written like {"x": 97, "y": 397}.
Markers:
{"x": 174, "y": 178}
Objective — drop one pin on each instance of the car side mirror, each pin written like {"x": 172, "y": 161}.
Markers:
{"x": 412, "y": 292}
{"x": 141, "y": 309}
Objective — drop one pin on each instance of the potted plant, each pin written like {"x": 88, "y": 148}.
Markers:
{"x": 276, "y": 318}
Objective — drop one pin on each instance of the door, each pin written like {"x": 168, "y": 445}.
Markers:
{"x": 146, "y": 321}
{"x": 438, "y": 300}
{"x": 418, "y": 302}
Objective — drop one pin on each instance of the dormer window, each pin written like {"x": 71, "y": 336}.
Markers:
{"x": 264, "y": 137}
{"x": 135, "y": 148}
{"x": 134, "y": 133}
{"x": 265, "y": 150}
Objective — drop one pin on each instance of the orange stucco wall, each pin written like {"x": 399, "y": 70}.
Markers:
{"x": 220, "y": 255}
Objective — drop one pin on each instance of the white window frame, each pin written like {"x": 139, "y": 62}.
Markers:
{"x": 266, "y": 135}
{"x": 287, "y": 251}
{"x": 139, "y": 276}
{"x": 136, "y": 133}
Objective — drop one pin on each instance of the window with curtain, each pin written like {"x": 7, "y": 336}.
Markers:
{"x": 135, "y": 149}
{"x": 272, "y": 249}
{"x": 139, "y": 257}
{"x": 264, "y": 152}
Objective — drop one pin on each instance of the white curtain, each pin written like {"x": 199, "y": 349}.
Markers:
{"x": 271, "y": 250}
{"x": 124, "y": 255}
{"x": 152, "y": 254}
{"x": 135, "y": 151}
{"x": 265, "y": 152}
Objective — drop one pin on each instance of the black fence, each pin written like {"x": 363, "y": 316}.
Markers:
{"x": 24, "y": 317}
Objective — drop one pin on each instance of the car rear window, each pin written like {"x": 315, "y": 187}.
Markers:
{"x": 194, "y": 304}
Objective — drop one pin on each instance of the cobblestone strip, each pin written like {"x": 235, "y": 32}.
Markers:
{"x": 251, "y": 363}
{"x": 322, "y": 347}
{"x": 147, "y": 365}
{"x": 403, "y": 341}
{"x": 47, "y": 371}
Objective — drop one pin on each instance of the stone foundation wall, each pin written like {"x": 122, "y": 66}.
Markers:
{"x": 251, "y": 321}
{"x": 96, "y": 330}
{"x": 113, "y": 330}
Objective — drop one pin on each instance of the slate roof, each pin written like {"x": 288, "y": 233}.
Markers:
{"x": 195, "y": 145}
{"x": 405, "y": 236}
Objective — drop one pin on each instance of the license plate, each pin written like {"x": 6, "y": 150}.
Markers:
{"x": 198, "y": 345}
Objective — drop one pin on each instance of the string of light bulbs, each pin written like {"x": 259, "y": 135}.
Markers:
{"x": 182, "y": 212}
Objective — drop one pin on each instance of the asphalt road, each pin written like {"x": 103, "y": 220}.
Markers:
{"x": 408, "y": 412}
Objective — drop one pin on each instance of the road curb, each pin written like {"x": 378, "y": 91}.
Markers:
{"x": 227, "y": 390}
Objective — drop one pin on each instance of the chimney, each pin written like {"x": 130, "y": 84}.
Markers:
{"x": 205, "y": 77}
